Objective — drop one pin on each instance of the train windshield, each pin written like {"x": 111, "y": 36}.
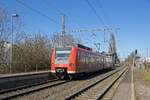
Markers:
{"x": 62, "y": 56}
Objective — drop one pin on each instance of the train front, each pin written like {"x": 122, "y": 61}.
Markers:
{"x": 63, "y": 62}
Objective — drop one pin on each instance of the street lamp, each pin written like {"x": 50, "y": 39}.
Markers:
{"x": 12, "y": 33}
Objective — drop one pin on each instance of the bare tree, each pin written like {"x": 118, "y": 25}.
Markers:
{"x": 4, "y": 35}
{"x": 33, "y": 52}
{"x": 18, "y": 39}
{"x": 59, "y": 40}
{"x": 112, "y": 49}
{"x": 112, "y": 44}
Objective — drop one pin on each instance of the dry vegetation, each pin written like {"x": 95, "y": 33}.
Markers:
{"x": 143, "y": 75}
{"x": 142, "y": 84}
{"x": 29, "y": 53}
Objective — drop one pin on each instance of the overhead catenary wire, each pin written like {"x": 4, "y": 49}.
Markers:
{"x": 47, "y": 2}
{"x": 99, "y": 18}
{"x": 103, "y": 11}
{"x": 106, "y": 15}
{"x": 95, "y": 12}
{"x": 37, "y": 11}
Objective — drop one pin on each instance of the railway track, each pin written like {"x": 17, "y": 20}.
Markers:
{"x": 59, "y": 89}
{"x": 98, "y": 89}
{"x": 22, "y": 80}
{"x": 24, "y": 86}
{"x": 19, "y": 91}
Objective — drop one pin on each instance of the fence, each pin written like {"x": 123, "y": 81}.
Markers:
{"x": 6, "y": 68}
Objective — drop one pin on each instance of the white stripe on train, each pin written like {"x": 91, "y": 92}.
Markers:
{"x": 53, "y": 71}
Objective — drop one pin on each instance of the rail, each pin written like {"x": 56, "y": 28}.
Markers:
{"x": 84, "y": 90}
{"x": 22, "y": 91}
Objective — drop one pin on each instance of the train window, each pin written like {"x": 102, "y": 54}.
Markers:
{"x": 79, "y": 56}
{"x": 63, "y": 49}
{"x": 82, "y": 57}
{"x": 91, "y": 59}
{"x": 86, "y": 59}
{"x": 62, "y": 57}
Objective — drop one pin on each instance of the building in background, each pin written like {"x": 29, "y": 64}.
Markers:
{"x": 140, "y": 63}
{"x": 6, "y": 54}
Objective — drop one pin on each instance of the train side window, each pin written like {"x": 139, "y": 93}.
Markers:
{"x": 91, "y": 59}
{"x": 79, "y": 56}
{"x": 82, "y": 57}
{"x": 89, "y": 56}
{"x": 87, "y": 59}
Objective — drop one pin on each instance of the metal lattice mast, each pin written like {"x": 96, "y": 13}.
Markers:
{"x": 63, "y": 30}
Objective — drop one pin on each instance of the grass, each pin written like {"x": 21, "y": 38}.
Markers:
{"x": 144, "y": 75}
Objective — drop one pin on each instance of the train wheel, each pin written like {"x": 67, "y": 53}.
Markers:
{"x": 62, "y": 77}
{"x": 70, "y": 77}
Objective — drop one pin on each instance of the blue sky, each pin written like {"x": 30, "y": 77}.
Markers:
{"x": 132, "y": 17}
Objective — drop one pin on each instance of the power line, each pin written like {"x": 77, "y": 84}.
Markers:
{"x": 37, "y": 11}
{"x": 58, "y": 10}
{"x": 102, "y": 9}
{"x": 95, "y": 12}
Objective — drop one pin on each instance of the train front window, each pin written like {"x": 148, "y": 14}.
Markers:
{"x": 62, "y": 57}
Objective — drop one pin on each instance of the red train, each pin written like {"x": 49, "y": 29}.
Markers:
{"x": 66, "y": 62}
